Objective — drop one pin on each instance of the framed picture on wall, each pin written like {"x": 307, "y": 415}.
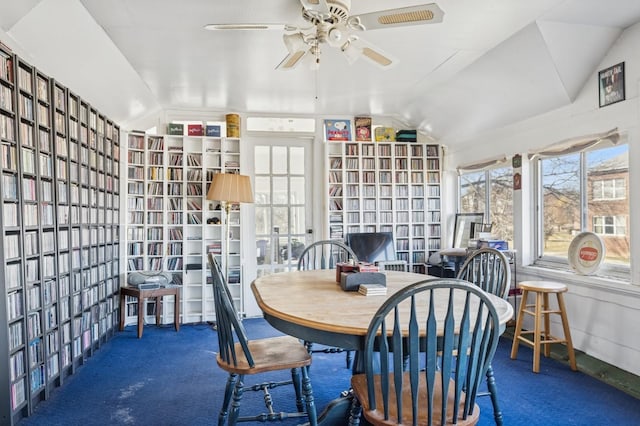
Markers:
{"x": 462, "y": 228}
{"x": 611, "y": 84}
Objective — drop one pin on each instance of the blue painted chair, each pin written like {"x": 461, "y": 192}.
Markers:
{"x": 241, "y": 357}
{"x": 326, "y": 254}
{"x": 489, "y": 269}
{"x": 449, "y": 349}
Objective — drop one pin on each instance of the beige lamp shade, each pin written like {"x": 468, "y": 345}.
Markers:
{"x": 231, "y": 188}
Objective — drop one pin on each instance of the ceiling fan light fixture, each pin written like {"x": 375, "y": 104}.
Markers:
{"x": 294, "y": 42}
{"x": 335, "y": 35}
{"x": 351, "y": 52}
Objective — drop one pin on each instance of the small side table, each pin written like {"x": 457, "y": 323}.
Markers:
{"x": 142, "y": 294}
{"x": 457, "y": 255}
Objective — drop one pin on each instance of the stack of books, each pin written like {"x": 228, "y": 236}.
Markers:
{"x": 372, "y": 289}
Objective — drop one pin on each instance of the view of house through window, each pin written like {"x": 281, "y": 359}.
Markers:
{"x": 586, "y": 191}
{"x": 490, "y": 192}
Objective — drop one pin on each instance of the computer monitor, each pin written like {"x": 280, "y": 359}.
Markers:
{"x": 372, "y": 247}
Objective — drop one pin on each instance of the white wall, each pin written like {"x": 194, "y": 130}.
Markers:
{"x": 603, "y": 314}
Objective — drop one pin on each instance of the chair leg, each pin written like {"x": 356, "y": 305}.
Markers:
{"x": 493, "y": 392}
{"x": 297, "y": 386}
{"x": 307, "y": 391}
{"x": 237, "y": 397}
{"x": 228, "y": 391}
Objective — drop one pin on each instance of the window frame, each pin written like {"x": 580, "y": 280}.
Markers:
{"x": 607, "y": 270}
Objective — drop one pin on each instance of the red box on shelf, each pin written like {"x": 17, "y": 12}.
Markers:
{"x": 195, "y": 130}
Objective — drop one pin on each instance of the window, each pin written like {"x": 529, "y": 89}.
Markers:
{"x": 610, "y": 225}
{"x": 585, "y": 191}
{"x": 609, "y": 189}
{"x": 490, "y": 192}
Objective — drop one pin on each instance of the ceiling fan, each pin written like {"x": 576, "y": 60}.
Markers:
{"x": 332, "y": 24}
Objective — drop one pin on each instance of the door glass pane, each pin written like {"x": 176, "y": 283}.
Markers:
{"x": 297, "y": 220}
{"x": 296, "y": 166}
{"x": 263, "y": 222}
{"x": 280, "y": 192}
{"x": 262, "y": 190}
{"x": 261, "y": 159}
{"x": 281, "y": 219}
{"x": 279, "y": 166}
{"x": 297, "y": 190}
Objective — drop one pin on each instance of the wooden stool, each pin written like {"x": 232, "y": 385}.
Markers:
{"x": 541, "y": 312}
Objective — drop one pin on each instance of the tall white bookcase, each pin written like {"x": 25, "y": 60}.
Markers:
{"x": 387, "y": 187}
{"x": 171, "y": 226}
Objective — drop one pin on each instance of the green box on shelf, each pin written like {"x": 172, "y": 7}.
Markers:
{"x": 175, "y": 129}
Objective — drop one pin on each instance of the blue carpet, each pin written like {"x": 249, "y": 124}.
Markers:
{"x": 169, "y": 378}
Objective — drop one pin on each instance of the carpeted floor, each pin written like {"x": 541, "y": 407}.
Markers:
{"x": 169, "y": 378}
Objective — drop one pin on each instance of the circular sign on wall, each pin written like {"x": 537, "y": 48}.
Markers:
{"x": 586, "y": 253}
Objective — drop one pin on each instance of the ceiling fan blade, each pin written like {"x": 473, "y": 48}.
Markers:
{"x": 291, "y": 61}
{"x": 358, "y": 48}
{"x": 297, "y": 49}
{"x": 246, "y": 26}
{"x": 412, "y": 15}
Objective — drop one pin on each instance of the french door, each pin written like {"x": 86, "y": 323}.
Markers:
{"x": 283, "y": 203}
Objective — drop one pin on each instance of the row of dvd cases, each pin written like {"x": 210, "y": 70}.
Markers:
{"x": 60, "y": 225}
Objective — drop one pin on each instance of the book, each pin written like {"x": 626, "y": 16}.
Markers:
{"x": 363, "y": 129}
{"x": 372, "y": 289}
{"x": 337, "y": 130}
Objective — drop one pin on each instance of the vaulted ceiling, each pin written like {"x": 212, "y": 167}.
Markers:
{"x": 488, "y": 64}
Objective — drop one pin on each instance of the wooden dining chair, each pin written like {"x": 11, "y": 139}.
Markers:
{"x": 449, "y": 349}
{"x": 326, "y": 254}
{"x": 489, "y": 269}
{"x": 241, "y": 357}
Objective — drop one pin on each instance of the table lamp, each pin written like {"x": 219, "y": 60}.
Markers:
{"x": 229, "y": 189}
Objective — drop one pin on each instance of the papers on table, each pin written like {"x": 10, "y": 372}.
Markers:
{"x": 372, "y": 289}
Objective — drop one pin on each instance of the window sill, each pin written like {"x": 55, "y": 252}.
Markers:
{"x": 557, "y": 273}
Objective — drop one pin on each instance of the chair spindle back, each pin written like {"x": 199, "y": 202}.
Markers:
{"x": 449, "y": 349}
{"x": 489, "y": 269}
{"x": 227, "y": 322}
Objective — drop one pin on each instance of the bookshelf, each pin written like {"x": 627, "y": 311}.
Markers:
{"x": 386, "y": 187}
{"x": 171, "y": 226}
{"x": 60, "y": 235}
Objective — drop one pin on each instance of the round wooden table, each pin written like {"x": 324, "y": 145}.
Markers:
{"x": 312, "y": 306}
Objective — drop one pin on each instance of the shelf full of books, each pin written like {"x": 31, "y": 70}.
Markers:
{"x": 171, "y": 226}
{"x": 386, "y": 187}
{"x": 60, "y": 226}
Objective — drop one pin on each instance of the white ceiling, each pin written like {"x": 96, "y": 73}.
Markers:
{"x": 489, "y": 63}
